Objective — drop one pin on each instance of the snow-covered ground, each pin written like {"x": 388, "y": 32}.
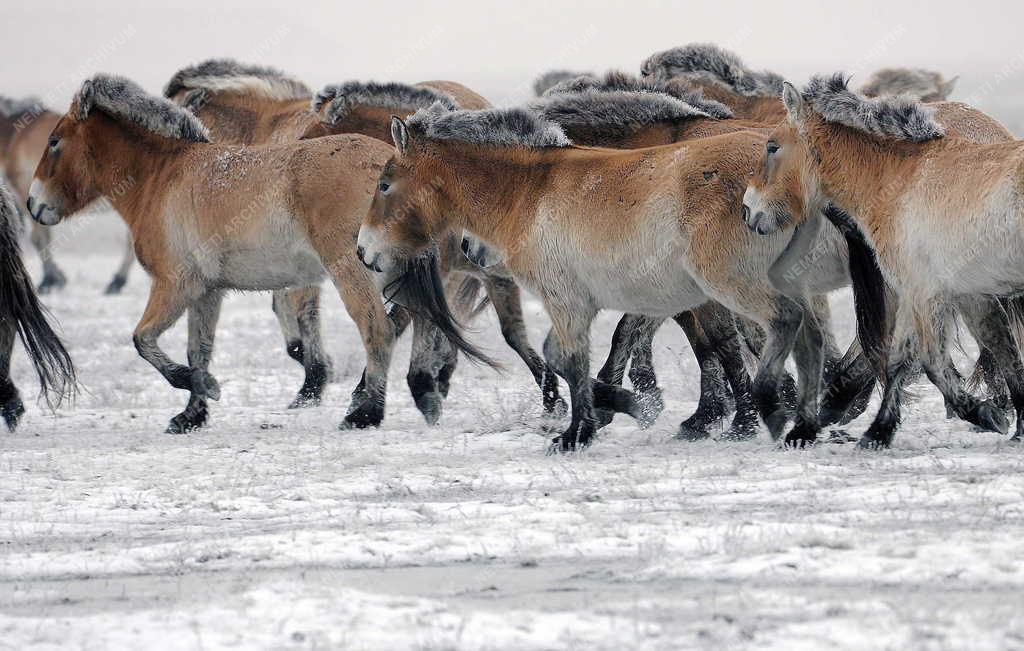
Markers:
{"x": 271, "y": 529}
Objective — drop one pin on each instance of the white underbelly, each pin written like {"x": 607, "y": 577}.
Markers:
{"x": 662, "y": 291}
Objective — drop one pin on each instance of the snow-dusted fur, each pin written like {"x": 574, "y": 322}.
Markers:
{"x": 508, "y": 127}
{"x": 709, "y": 62}
{"x": 123, "y": 98}
{"x": 553, "y": 77}
{"x": 616, "y": 110}
{"x": 339, "y": 97}
{"x": 12, "y": 107}
{"x": 925, "y": 85}
{"x": 897, "y": 118}
{"x": 615, "y": 80}
{"x": 228, "y": 75}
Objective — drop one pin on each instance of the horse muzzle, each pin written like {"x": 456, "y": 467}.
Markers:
{"x": 39, "y": 207}
{"x": 369, "y": 250}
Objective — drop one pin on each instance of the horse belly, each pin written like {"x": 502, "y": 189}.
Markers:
{"x": 662, "y": 290}
{"x": 275, "y": 256}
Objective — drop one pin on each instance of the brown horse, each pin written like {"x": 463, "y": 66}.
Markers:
{"x": 207, "y": 218}
{"x": 22, "y": 316}
{"x": 653, "y": 232}
{"x": 923, "y": 85}
{"x": 938, "y": 211}
{"x": 252, "y": 105}
{"x": 24, "y": 127}
{"x": 722, "y": 76}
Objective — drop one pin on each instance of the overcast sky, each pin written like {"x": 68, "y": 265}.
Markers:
{"x": 48, "y": 47}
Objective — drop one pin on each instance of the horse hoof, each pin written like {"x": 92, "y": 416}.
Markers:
{"x": 430, "y": 404}
{"x": 363, "y": 416}
{"x": 205, "y": 385}
{"x": 304, "y": 400}
{"x": 52, "y": 282}
{"x": 650, "y": 405}
{"x": 801, "y": 435}
{"x": 186, "y": 422}
{"x": 12, "y": 412}
{"x": 875, "y": 439}
{"x": 989, "y": 417}
{"x": 776, "y": 423}
{"x": 691, "y": 434}
{"x": 116, "y": 284}
{"x": 742, "y": 428}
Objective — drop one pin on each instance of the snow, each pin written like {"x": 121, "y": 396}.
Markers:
{"x": 271, "y": 529}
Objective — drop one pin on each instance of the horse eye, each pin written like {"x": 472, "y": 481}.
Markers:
{"x": 772, "y": 147}
{"x": 383, "y": 186}
{"x": 53, "y": 142}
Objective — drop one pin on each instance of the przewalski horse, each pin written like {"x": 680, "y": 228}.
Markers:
{"x": 22, "y": 316}
{"x": 552, "y": 78}
{"x": 24, "y": 127}
{"x": 367, "y": 107}
{"x": 243, "y": 104}
{"x": 648, "y": 231}
{"x": 923, "y": 85}
{"x": 250, "y": 104}
{"x": 722, "y": 76}
{"x": 942, "y": 216}
{"x": 208, "y": 218}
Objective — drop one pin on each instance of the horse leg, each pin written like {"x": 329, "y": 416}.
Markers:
{"x": 714, "y": 403}
{"x": 424, "y": 366}
{"x": 365, "y": 307}
{"x": 899, "y": 367}
{"x": 989, "y": 323}
{"x": 11, "y": 407}
{"x": 167, "y": 302}
{"x": 304, "y": 307}
{"x": 117, "y": 283}
{"x": 504, "y": 295}
{"x": 783, "y": 330}
{"x": 634, "y": 335}
{"x": 832, "y": 357}
{"x": 203, "y": 314}
{"x": 53, "y": 277}
{"x": 848, "y": 392}
{"x": 755, "y": 338}
{"x": 568, "y": 353}
{"x": 280, "y": 303}
{"x": 809, "y": 353}
{"x": 400, "y": 320}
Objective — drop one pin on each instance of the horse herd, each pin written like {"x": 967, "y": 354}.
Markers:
{"x": 701, "y": 190}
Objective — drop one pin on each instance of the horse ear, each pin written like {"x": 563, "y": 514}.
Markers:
{"x": 947, "y": 87}
{"x": 794, "y": 102}
{"x": 85, "y": 97}
{"x": 400, "y": 134}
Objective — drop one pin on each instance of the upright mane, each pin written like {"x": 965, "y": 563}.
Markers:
{"x": 708, "y": 62}
{"x": 615, "y": 80}
{"x": 924, "y": 85}
{"x": 554, "y": 77}
{"x": 230, "y": 76}
{"x": 892, "y": 117}
{"x": 124, "y": 99}
{"x": 613, "y": 112}
{"x": 340, "y": 97}
{"x": 13, "y": 107}
{"x": 509, "y": 127}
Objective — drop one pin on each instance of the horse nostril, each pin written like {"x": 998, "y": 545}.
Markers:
{"x": 360, "y": 251}
{"x": 465, "y": 246}
{"x": 28, "y": 203}
{"x": 746, "y": 213}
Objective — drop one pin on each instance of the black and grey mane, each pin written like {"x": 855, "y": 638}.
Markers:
{"x": 124, "y": 99}
{"x": 508, "y": 127}
{"x": 614, "y": 112}
{"x": 228, "y": 75}
{"x": 921, "y": 84}
{"x": 554, "y": 77}
{"x": 707, "y": 62}
{"x": 615, "y": 80}
{"x": 898, "y": 118}
{"x": 340, "y": 97}
{"x": 11, "y": 107}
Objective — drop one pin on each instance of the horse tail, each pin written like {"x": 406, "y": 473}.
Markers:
{"x": 869, "y": 291}
{"x": 464, "y": 301}
{"x": 420, "y": 289}
{"x": 20, "y": 309}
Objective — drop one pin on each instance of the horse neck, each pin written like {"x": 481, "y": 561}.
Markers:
{"x": 130, "y": 159}
{"x": 491, "y": 191}
{"x": 372, "y": 121}
{"x": 858, "y": 175}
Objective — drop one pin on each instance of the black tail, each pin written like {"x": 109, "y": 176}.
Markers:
{"x": 20, "y": 309}
{"x": 869, "y": 291}
{"x": 421, "y": 290}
